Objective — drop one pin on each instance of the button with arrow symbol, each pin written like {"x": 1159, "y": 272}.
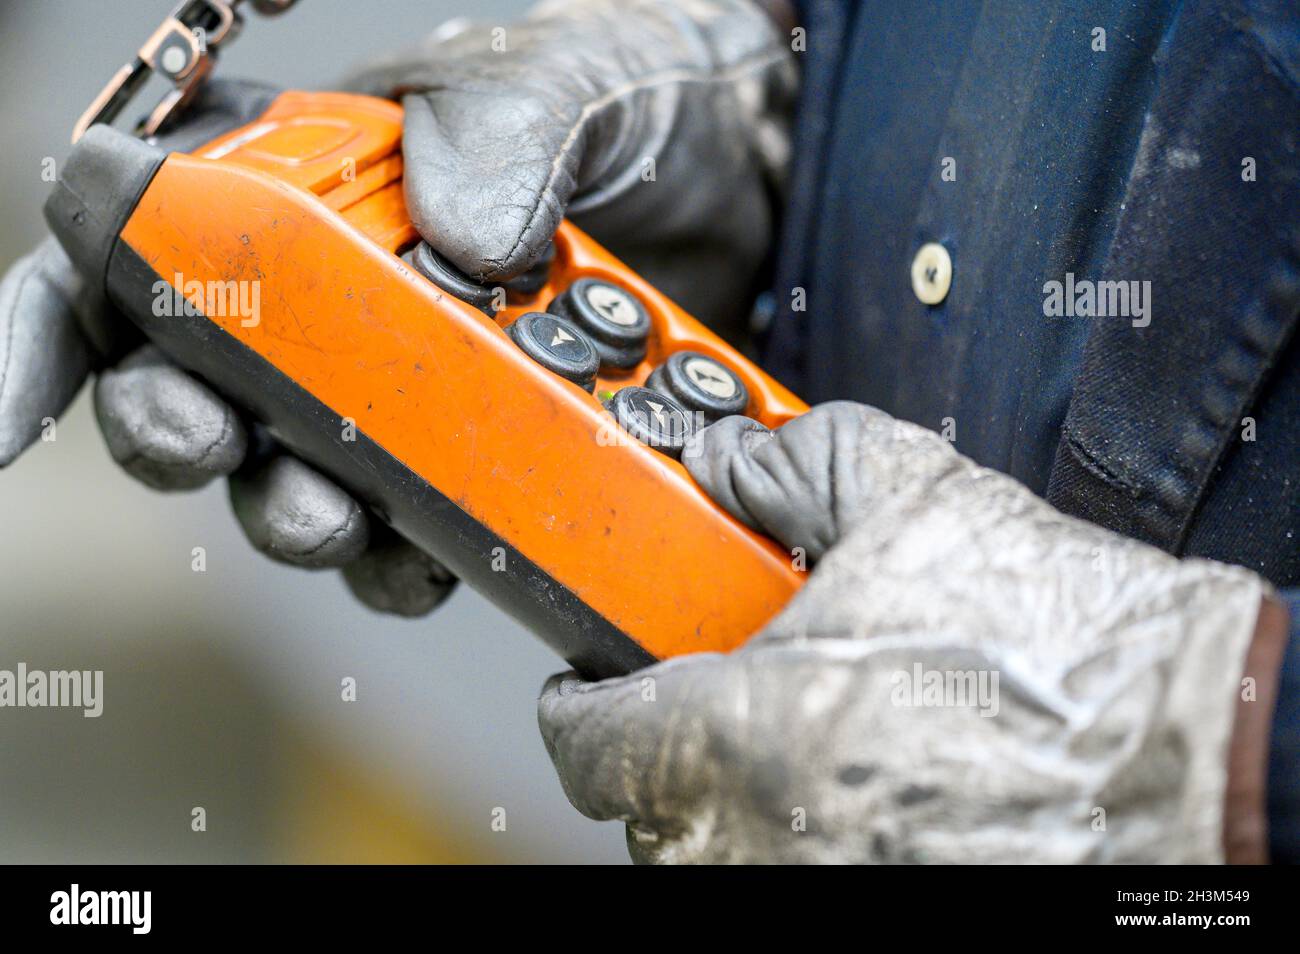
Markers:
{"x": 614, "y": 318}
{"x": 558, "y": 346}
{"x": 652, "y": 418}
{"x": 701, "y": 383}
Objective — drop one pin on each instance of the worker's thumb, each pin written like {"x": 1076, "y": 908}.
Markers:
{"x": 811, "y": 481}
{"x": 494, "y": 134}
{"x": 488, "y": 177}
{"x": 654, "y": 125}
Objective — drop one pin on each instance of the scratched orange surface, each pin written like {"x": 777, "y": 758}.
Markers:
{"x": 440, "y": 386}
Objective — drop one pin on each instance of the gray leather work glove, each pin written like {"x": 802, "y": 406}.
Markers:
{"x": 967, "y": 676}
{"x": 658, "y": 126}
{"x": 497, "y": 145}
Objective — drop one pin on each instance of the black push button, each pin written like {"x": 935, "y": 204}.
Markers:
{"x": 451, "y": 279}
{"x": 558, "y": 346}
{"x": 652, "y": 418}
{"x": 700, "y": 383}
{"x": 530, "y": 282}
{"x": 616, "y": 321}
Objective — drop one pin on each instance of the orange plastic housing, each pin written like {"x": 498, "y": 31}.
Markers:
{"x": 307, "y": 201}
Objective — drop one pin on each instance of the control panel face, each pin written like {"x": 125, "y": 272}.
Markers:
{"x": 527, "y": 432}
{"x": 597, "y": 334}
{"x": 583, "y": 316}
{"x": 575, "y": 302}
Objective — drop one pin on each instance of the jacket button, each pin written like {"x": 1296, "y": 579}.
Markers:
{"x": 931, "y": 273}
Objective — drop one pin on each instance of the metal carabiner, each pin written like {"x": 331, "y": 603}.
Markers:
{"x": 182, "y": 50}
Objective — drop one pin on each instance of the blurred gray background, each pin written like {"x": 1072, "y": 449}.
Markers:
{"x": 222, "y": 689}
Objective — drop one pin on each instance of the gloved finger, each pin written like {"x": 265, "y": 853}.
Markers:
{"x": 44, "y": 358}
{"x": 394, "y": 576}
{"x": 814, "y": 478}
{"x": 636, "y": 748}
{"x": 590, "y": 102}
{"x": 163, "y": 426}
{"x": 292, "y": 513}
{"x": 488, "y": 172}
{"x": 713, "y": 455}
{"x": 487, "y": 180}
{"x": 800, "y": 484}
{"x": 489, "y": 168}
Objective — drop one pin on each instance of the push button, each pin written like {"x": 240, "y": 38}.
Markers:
{"x": 652, "y": 418}
{"x": 700, "y": 383}
{"x": 557, "y": 346}
{"x": 617, "y": 322}
{"x": 451, "y": 279}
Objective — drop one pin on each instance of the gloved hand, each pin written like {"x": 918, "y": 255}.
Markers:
{"x": 173, "y": 432}
{"x": 497, "y": 145}
{"x": 659, "y": 126}
{"x": 967, "y": 676}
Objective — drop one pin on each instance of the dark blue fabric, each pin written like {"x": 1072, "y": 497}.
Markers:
{"x": 1117, "y": 165}
{"x": 1284, "y": 751}
{"x": 1153, "y": 441}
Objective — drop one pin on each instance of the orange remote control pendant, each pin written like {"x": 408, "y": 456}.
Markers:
{"x": 527, "y": 435}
